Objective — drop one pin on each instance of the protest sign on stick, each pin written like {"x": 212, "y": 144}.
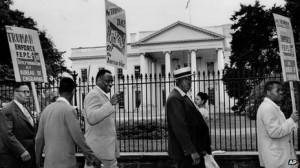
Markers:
{"x": 287, "y": 52}
{"x": 27, "y": 57}
{"x": 116, "y": 39}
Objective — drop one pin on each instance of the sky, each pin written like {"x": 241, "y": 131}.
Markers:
{"x": 81, "y": 23}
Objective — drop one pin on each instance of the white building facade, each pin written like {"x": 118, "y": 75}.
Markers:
{"x": 161, "y": 52}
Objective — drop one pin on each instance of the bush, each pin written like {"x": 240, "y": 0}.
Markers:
{"x": 142, "y": 129}
{"x": 257, "y": 95}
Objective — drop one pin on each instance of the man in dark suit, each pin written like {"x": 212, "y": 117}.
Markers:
{"x": 188, "y": 134}
{"x": 5, "y": 142}
{"x": 19, "y": 149}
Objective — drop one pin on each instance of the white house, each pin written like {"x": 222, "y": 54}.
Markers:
{"x": 161, "y": 52}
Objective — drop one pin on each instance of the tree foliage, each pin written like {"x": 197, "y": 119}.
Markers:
{"x": 293, "y": 11}
{"x": 53, "y": 57}
{"x": 254, "y": 45}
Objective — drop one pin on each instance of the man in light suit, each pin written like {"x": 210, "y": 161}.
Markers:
{"x": 19, "y": 149}
{"x": 99, "y": 115}
{"x": 59, "y": 131}
{"x": 188, "y": 133}
{"x": 274, "y": 131}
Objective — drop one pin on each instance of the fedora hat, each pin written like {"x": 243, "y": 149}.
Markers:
{"x": 182, "y": 72}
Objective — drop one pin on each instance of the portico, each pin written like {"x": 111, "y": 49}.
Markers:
{"x": 181, "y": 45}
{"x": 163, "y": 51}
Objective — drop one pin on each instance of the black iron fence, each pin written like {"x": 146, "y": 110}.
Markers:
{"x": 141, "y": 117}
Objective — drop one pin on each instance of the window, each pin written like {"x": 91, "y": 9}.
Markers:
{"x": 121, "y": 101}
{"x": 84, "y": 74}
{"x": 137, "y": 71}
{"x": 211, "y": 95}
{"x": 137, "y": 98}
{"x": 163, "y": 70}
{"x": 120, "y": 73}
{"x": 164, "y": 97}
{"x": 210, "y": 67}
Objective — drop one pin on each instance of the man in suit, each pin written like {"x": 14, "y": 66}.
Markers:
{"x": 19, "y": 150}
{"x": 274, "y": 131}
{"x": 99, "y": 118}
{"x": 5, "y": 141}
{"x": 188, "y": 134}
{"x": 59, "y": 131}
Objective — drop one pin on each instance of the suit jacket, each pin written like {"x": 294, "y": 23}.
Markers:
{"x": 274, "y": 135}
{"x": 99, "y": 115}
{"x": 187, "y": 130}
{"x": 21, "y": 136}
{"x": 58, "y": 133}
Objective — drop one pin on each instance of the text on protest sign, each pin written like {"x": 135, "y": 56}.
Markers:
{"x": 26, "y": 54}
{"x": 286, "y": 48}
{"x": 116, "y": 46}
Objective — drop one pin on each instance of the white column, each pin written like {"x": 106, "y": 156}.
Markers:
{"x": 194, "y": 70}
{"x": 220, "y": 59}
{"x": 168, "y": 70}
{"x": 153, "y": 67}
{"x": 143, "y": 64}
{"x": 193, "y": 61}
{"x": 149, "y": 60}
{"x": 167, "y": 62}
{"x": 144, "y": 69}
{"x": 154, "y": 100}
{"x": 221, "y": 68}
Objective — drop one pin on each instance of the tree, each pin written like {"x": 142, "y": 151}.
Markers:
{"x": 293, "y": 12}
{"x": 53, "y": 57}
{"x": 254, "y": 45}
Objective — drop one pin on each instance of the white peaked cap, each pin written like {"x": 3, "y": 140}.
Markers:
{"x": 182, "y": 72}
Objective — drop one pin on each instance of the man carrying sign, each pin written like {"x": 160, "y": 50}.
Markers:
{"x": 274, "y": 131}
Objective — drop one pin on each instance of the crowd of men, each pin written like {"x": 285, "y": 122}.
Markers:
{"x": 22, "y": 144}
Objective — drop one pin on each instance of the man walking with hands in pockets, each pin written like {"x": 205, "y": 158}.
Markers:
{"x": 274, "y": 131}
{"x": 99, "y": 117}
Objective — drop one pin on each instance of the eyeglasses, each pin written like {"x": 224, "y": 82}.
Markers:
{"x": 24, "y": 91}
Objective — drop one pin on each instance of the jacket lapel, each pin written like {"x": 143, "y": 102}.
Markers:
{"x": 102, "y": 94}
{"x": 194, "y": 108}
{"x": 278, "y": 110}
{"x": 19, "y": 112}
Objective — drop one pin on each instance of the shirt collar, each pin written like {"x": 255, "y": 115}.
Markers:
{"x": 63, "y": 99}
{"x": 102, "y": 91}
{"x": 270, "y": 101}
{"x": 180, "y": 91}
{"x": 19, "y": 104}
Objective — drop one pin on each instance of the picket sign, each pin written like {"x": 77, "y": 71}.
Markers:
{"x": 287, "y": 53}
{"x": 27, "y": 57}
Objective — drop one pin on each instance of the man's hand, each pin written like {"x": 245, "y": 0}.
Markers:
{"x": 295, "y": 116}
{"x": 89, "y": 160}
{"x": 196, "y": 158}
{"x": 96, "y": 162}
{"x": 114, "y": 99}
{"x": 25, "y": 156}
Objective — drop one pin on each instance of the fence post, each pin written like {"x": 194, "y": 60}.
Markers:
{"x": 74, "y": 75}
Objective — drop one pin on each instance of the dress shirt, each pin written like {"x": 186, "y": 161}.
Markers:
{"x": 103, "y": 92}
{"x": 180, "y": 91}
{"x": 295, "y": 126}
{"x": 63, "y": 99}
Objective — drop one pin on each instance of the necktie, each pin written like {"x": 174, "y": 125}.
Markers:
{"x": 28, "y": 116}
